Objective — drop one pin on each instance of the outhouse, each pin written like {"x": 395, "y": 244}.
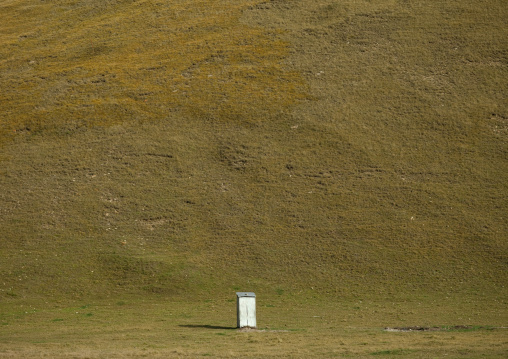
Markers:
{"x": 246, "y": 309}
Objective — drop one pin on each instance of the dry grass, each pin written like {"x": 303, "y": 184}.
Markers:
{"x": 290, "y": 328}
{"x": 345, "y": 160}
{"x": 89, "y": 63}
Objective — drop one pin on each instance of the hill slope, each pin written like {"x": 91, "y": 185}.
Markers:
{"x": 275, "y": 146}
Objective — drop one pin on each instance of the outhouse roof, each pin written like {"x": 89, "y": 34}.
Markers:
{"x": 245, "y": 294}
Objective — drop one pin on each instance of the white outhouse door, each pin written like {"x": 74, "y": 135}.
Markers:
{"x": 246, "y": 309}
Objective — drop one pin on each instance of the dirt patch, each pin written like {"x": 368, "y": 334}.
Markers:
{"x": 440, "y": 329}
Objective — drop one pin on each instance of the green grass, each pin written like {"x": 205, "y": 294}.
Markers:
{"x": 192, "y": 329}
{"x": 160, "y": 156}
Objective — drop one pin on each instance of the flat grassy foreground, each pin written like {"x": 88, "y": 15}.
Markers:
{"x": 288, "y": 327}
{"x": 345, "y": 160}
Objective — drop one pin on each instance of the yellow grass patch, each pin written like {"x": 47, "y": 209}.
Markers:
{"x": 82, "y": 63}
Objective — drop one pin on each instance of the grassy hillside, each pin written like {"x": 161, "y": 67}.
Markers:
{"x": 287, "y": 147}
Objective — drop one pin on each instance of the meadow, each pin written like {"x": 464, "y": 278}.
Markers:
{"x": 345, "y": 160}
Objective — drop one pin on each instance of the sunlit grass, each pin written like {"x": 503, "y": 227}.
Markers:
{"x": 345, "y": 160}
{"x": 95, "y": 63}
